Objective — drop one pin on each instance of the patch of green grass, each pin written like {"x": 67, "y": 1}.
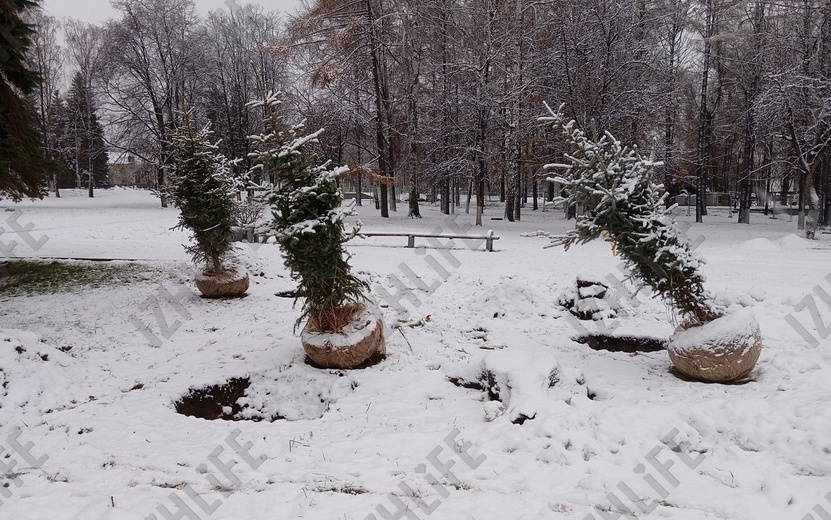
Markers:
{"x": 47, "y": 277}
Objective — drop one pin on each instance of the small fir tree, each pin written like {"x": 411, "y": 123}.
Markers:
{"x": 308, "y": 221}
{"x": 614, "y": 183}
{"x": 201, "y": 186}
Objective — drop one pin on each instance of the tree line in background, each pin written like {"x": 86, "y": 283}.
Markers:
{"x": 438, "y": 99}
{"x": 440, "y": 95}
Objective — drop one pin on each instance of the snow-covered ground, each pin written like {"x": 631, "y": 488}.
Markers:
{"x": 94, "y": 394}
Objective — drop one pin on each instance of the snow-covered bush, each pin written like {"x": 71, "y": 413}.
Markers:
{"x": 615, "y": 183}
{"x": 308, "y": 221}
{"x": 200, "y": 184}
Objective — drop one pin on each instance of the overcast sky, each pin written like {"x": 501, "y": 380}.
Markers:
{"x": 99, "y": 10}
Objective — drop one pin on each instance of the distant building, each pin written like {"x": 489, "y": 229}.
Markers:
{"x": 128, "y": 170}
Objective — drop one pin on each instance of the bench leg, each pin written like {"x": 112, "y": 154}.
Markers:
{"x": 410, "y": 241}
{"x": 489, "y": 244}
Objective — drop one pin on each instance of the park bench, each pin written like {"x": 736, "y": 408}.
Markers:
{"x": 488, "y": 238}
{"x": 262, "y": 237}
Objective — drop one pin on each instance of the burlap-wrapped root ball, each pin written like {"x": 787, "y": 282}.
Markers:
{"x": 362, "y": 339}
{"x": 230, "y": 284}
{"x": 720, "y": 351}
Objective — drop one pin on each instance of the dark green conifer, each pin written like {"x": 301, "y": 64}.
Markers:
{"x": 22, "y": 162}
{"x": 309, "y": 222}
{"x": 613, "y": 183}
{"x": 201, "y": 186}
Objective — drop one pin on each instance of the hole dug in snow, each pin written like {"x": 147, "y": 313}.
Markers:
{"x": 214, "y": 401}
{"x": 294, "y": 392}
{"x": 628, "y": 344}
{"x": 520, "y": 384}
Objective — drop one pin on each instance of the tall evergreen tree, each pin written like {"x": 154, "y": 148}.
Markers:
{"x": 61, "y": 144}
{"x": 87, "y": 151}
{"x": 21, "y": 158}
{"x": 201, "y": 186}
{"x": 309, "y": 221}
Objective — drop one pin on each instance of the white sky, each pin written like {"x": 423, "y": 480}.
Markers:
{"x": 95, "y": 11}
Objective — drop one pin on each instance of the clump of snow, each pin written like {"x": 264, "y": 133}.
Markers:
{"x": 590, "y": 300}
{"x": 508, "y": 297}
{"x": 521, "y": 382}
{"x": 293, "y": 392}
{"x": 757, "y": 293}
{"x": 791, "y": 241}
{"x": 534, "y": 234}
{"x": 758, "y": 244}
{"x": 739, "y": 329}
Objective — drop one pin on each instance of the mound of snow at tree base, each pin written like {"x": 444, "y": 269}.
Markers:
{"x": 789, "y": 241}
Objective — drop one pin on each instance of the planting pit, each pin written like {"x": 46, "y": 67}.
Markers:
{"x": 215, "y": 401}
{"x": 627, "y": 344}
{"x": 290, "y": 392}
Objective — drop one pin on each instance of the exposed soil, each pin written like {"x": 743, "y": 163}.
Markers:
{"x": 629, "y": 344}
{"x": 214, "y": 402}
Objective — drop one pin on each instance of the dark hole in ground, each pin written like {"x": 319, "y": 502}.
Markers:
{"x": 287, "y": 294}
{"x": 208, "y": 402}
{"x": 629, "y": 344}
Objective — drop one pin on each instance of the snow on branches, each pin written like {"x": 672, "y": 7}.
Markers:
{"x": 201, "y": 185}
{"x": 307, "y": 218}
{"x": 613, "y": 182}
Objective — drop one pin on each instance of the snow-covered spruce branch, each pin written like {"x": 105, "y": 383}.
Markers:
{"x": 613, "y": 182}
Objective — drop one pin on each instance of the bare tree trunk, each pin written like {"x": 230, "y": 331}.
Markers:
{"x": 750, "y": 122}
{"x": 469, "y": 195}
{"x": 535, "y": 194}
{"x": 746, "y": 171}
{"x": 800, "y": 210}
{"x": 89, "y": 164}
{"x": 825, "y": 67}
{"x": 508, "y": 188}
{"x": 513, "y": 147}
{"x": 705, "y": 116}
{"x": 382, "y": 135}
{"x": 483, "y": 113}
